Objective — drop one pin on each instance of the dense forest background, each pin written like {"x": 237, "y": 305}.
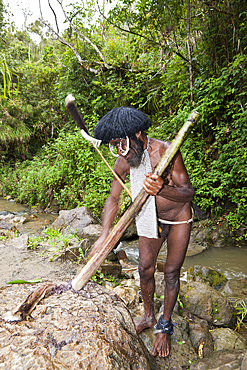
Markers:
{"x": 163, "y": 57}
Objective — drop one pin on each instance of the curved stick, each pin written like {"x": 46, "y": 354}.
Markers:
{"x": 70, "y": 104}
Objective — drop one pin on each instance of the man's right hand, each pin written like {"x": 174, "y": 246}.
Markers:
{"x": 153, "y": 183}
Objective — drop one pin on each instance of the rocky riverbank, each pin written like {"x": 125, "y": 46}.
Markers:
{"x": 95, "y": 329}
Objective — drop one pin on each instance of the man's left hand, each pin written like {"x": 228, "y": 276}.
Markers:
{"x": 153, "y": 183}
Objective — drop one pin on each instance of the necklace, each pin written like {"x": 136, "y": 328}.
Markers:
{"x": 148, "y": 143}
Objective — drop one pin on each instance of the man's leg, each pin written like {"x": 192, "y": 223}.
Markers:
{"x": 148, "y": 252}
{"x": 177, "y": 243}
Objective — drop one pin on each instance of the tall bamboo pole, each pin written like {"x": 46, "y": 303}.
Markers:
{"x": 114, "y": 236}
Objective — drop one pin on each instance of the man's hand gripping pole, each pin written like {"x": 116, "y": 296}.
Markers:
{"x": 70, "y": 104}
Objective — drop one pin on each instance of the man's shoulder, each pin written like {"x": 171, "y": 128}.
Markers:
{"x": 122, "y": 165}
{"x": 160, "y": 144}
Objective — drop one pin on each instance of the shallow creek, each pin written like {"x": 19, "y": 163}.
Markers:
{"x": 232, "y": 261}
{"x": 31, "y": 227}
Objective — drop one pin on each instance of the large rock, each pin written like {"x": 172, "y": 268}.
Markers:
{"x": 198, "y": 241}
{"x": 13, "y": 219}
{"x": 218, "y": 235}
{"x": 222, "y": 360}
{"x": 235, "y": 288}
{"x": 129, "y": 295}
{"x": 205, "y": 302}
{"x": 79, "y": 221}
{"x": 226, "y": 338}
{"x": 244, "y": 362}
{"x": 207, "y": 275}
{"x": 200, "y": 336}
{"x": 88, "y": 330}
{"x": 182, "y": 353}
{"x": 90, "y": 234}
{"x": 236, "y": 292}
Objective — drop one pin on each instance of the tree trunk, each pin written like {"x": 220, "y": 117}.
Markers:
{"x": 189, "y": 51}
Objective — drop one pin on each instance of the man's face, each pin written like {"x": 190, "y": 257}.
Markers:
{"x": 133, "y": 155}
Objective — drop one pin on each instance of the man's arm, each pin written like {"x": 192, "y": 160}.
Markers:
{"x": 111, "y": 205}
{"x": 179, "y": 188}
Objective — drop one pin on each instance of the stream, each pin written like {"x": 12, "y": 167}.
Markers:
{"x": 232, "y": 261}
{"x": 31, "y": 227}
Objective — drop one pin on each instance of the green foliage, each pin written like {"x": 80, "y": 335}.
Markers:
{"x": 100, "y": 278}
{"x": 223, "y": 32}
{"x": 241, "y": 313}
{"x": 9, "y": 87}
{"x": 34, "y": 241}
{"x": 145, "y": 45}
{"x": 20, "y": 281}
{"x": 66, "y": 170}
{"x": 215, "y": 154}
{"x": 30, "y": 112}
{"x": 58, "y": 243}
{"x": 14, "y": 133}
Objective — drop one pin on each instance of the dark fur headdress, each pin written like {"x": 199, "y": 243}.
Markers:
{"x": 121, "y": 122}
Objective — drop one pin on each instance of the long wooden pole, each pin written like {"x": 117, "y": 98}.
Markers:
{"x": 114, "y": 236}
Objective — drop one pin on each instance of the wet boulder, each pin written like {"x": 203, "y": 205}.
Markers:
{"x": 129, "y": 295}
{"x": 91, "y": 329}
{"x": 235, "y": 288}
{"x": 182, "y": 353}
{"x": 202, "y": 300}
{"x": 198, "y": 240}
{"x": 222, "y": 360}
{"x": 236, "y": 291}
{"x": 207, "y": 275}
{"x": 220, "y": 235}
{"x": 13, "y": 219}
{"x": 200, "y": 336}
{"x": 226, "y": 338}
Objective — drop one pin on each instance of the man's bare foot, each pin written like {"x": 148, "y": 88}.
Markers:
{"x": 144, "y": 323}
{"x": 162, "y": 345}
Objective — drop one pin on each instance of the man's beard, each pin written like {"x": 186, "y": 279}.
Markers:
{"x": 136, "y": 160}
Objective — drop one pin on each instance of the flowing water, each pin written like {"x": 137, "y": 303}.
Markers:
{"x": 231, "y": 261}
{"x": 40, "y": 221}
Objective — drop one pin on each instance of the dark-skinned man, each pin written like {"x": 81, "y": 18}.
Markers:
{"x": 165, "y": 215}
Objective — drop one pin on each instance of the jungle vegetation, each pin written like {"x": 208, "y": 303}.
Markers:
{"x": 163, "y": 57}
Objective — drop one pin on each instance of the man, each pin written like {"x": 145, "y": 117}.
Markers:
{"x": 166, "y": 214}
